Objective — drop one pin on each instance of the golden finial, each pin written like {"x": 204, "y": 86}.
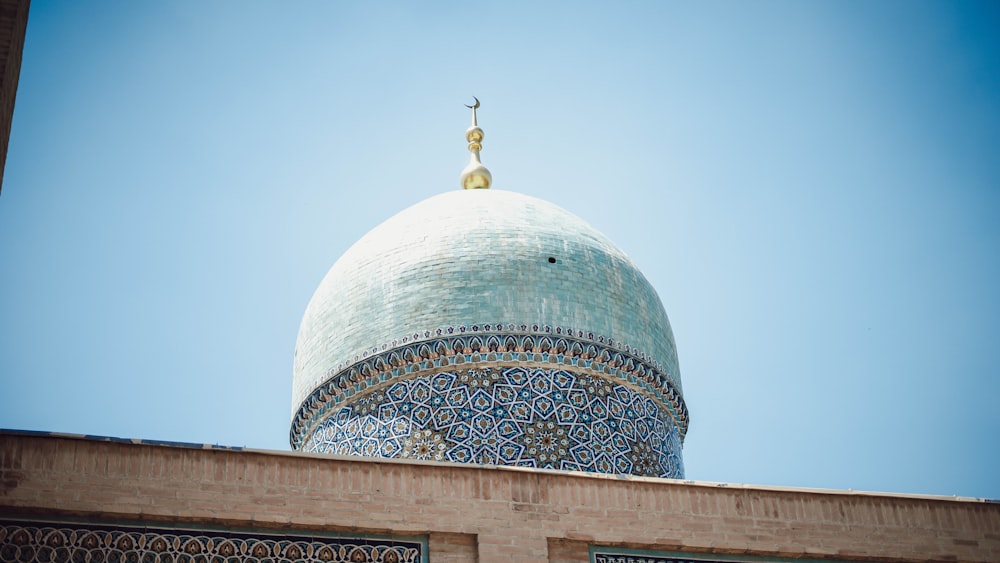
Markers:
{"x": 475, "y": 175}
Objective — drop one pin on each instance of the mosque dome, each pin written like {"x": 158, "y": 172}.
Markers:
{"x": 487, "y": 326}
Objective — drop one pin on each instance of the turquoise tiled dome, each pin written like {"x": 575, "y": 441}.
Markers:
{"x": 523, "y": 282}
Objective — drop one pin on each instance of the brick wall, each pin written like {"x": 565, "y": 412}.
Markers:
{"x": 13, "y": 23}
{"x": 480, "y": 514}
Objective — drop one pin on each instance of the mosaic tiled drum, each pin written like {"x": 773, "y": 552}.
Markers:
{"x": 490, "y": 327}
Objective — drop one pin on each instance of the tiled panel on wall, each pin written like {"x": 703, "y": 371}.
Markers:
{"x": 37, "y": 542}
{"x": 617, "y": 555}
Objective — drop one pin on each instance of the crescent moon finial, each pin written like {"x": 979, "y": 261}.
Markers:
{"x": 474, "y": 107}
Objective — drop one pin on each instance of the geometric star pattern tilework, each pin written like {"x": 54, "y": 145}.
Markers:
{"x": 521, "y": 416}
{"x": 495, "y": 345}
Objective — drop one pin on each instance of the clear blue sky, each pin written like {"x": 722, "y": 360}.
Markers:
{"x": 812, "y": 187}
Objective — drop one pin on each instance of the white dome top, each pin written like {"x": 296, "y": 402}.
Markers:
{"x": 471, "y": 257}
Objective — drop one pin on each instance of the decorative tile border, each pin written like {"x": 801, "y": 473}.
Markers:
{"x": 500, "y": 328}
{"x": 514, "y": 416}
{"x": 31, "y": 542}
{"x": 489, "y": 344}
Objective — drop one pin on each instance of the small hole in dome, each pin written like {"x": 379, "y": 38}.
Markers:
{"x": 552, "y": 260}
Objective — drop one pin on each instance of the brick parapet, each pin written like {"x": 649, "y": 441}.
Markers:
{"x": 503, "y": 514}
